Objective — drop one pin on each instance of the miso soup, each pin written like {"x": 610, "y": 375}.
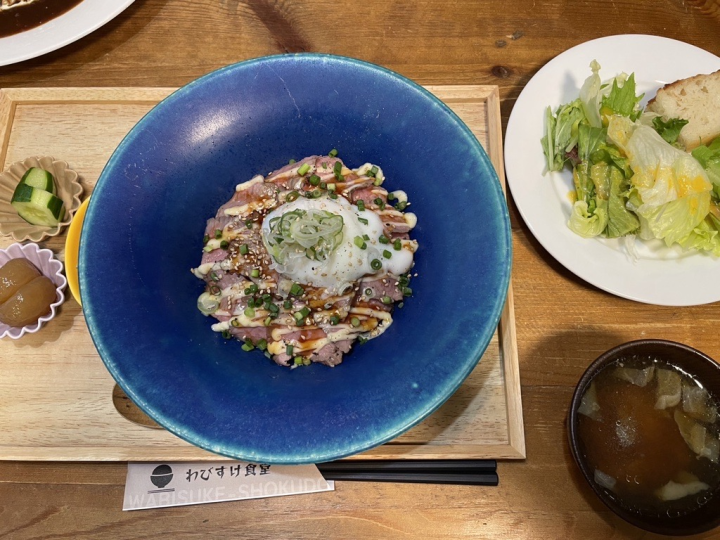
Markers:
{"x": 649, "y": 431}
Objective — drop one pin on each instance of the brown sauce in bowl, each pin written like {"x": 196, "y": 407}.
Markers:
{"x": 21, "y": 18}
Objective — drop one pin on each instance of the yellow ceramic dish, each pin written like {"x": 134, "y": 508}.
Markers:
{"x": 72, "y": 246}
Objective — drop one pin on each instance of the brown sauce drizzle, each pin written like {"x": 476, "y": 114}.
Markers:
{"x": 21, "y": 18}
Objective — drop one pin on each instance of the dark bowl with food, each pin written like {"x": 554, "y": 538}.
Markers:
{"x": 643, "y": 429}
{"x": 148, "y": 226}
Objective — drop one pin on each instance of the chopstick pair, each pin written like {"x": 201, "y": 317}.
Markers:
{"x": 467, "y": 472}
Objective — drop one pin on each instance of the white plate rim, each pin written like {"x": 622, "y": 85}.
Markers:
{"x": 661, "y": 277}
{"x": 81, "y": 20}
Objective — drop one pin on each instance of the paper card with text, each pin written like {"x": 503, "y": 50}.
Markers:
{"x": 157, "y": 485}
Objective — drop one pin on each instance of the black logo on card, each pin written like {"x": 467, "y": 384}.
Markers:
{"x": 161, "y": 477}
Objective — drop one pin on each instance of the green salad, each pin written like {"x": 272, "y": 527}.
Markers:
{"x": 631, "y": 177}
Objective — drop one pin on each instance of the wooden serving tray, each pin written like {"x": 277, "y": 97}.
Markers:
{"x": 58, "y": 401}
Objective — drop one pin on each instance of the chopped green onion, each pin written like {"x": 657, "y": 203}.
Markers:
{"x": 407, "y": 291}
{"x": 255, "y": 273}
{"x": 363, "y": 220}
{"x": 206, "y": 239}
{"x": 304, "y": 168}
{"x": 235, "y": 323}
{"x": 331, "y": 187}
{"x": 218, "y": 233}
{"x": 333, "y": 153}
{"x": 404, "y": 280}
{"x": 291, "y": 162}
{"x": 333, "y": 195}
{"x": 316, "y": 194}
{"x": 366, "y": 237}
{"x": 374, "y": 170}
{"x": 359, "y": 242}
{"x": 306, "y": 361}
{"x": 378, "y": 182}
{"x": 362, "y": 340}
{"x": 368, "y": 291}
{"x": 249, "y": 312}
{"x": 304, "y": 312}
{"x": 252, "y": 289}
{"x": 397, "y": 244}
{"x": 224, "y": 244}
{"x": 375, "y": 264}
{"x": 401, "y": 205}
{"x": 296, "y": 290}
{"x": 262, "y": 344}
{"x": 249, "y": 223}
{"x": 314, "y": 180}
{"x": 214, "y": 290}
{"x": 298, "y": 316}
{"x": 334, "y": 320}
{"x": 355, "y": 322}
{"x": 226, "y": 334}
{"x": 273, "y": 308}
{"x": 298, "y": 360}
{"x": 386, "y": 300}
{"x": 248, "y": 346}
{"x": 390, "y": 196}
{"x": 384, "y": 239}
{"x": 387, "y": 254}
{"x": 287, "y": 304}
{"x": 401, "y": 305}
{"x": 214, "y": 276}
{"x": 244, "y": 249}
{"x": 337, "y": 170}
{"x": 289, "y": 349}
{"x": 360, "y": 204}
{"x": 267, "y": 321}
{"x": 292, "y": 196}
{"x": 380, "y": 203}
{"x": 323, "y": 185}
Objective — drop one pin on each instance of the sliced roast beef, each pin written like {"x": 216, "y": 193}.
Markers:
{"x": 332, "y": 353}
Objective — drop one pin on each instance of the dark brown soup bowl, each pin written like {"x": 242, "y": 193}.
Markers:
{"x": 695, "y": 363}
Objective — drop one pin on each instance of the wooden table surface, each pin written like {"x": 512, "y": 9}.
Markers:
{"x": 562, "y": 322}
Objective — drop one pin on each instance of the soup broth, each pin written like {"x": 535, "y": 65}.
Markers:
{"x": 649, "y": 432}
{"x": 19, "y": 18}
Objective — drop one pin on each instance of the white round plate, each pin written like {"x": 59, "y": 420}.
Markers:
{"x": 660, "y": 275}
{"x": 86, "y": 17}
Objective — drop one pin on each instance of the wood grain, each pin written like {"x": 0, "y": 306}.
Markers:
{"x": 62, "y": 404}
{"x": 562, "y": 322}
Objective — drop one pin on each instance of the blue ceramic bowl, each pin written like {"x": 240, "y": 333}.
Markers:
{"x": 143, "y": 232}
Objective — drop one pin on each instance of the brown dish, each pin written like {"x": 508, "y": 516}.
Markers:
{"x": 21, "y": 15}
{"x": 626, "y": 418}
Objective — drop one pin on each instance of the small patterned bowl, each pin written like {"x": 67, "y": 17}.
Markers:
{"x": 50, "y": 267}
{"x": 68, "y": 189}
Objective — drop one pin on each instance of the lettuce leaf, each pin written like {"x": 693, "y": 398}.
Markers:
{"x": 709, "y": 158}
{"x": 670, "y": 130}
{"x": 704, "y": 237}
{"x": 670, "y": 190}
{"x": 561, "y": 134}
{"x": 622, "y": 100}
{"x": 591, "y": 96}
{"x": 621, "y": 221}
{"x": 589, "y": 214}
{"x": 590, "y": 140}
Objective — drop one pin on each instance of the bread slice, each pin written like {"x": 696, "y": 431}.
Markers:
{"x": 697, "y": 100}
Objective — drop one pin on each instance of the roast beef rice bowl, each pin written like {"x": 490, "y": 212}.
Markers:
{"x": 307, "y": 260}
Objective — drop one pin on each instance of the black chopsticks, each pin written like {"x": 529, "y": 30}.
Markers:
{"x": 468, "y": 472}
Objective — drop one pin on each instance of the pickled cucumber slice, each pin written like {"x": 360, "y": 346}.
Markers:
{"x": 37, "y": 206}
{"x": 40, "y": 179}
